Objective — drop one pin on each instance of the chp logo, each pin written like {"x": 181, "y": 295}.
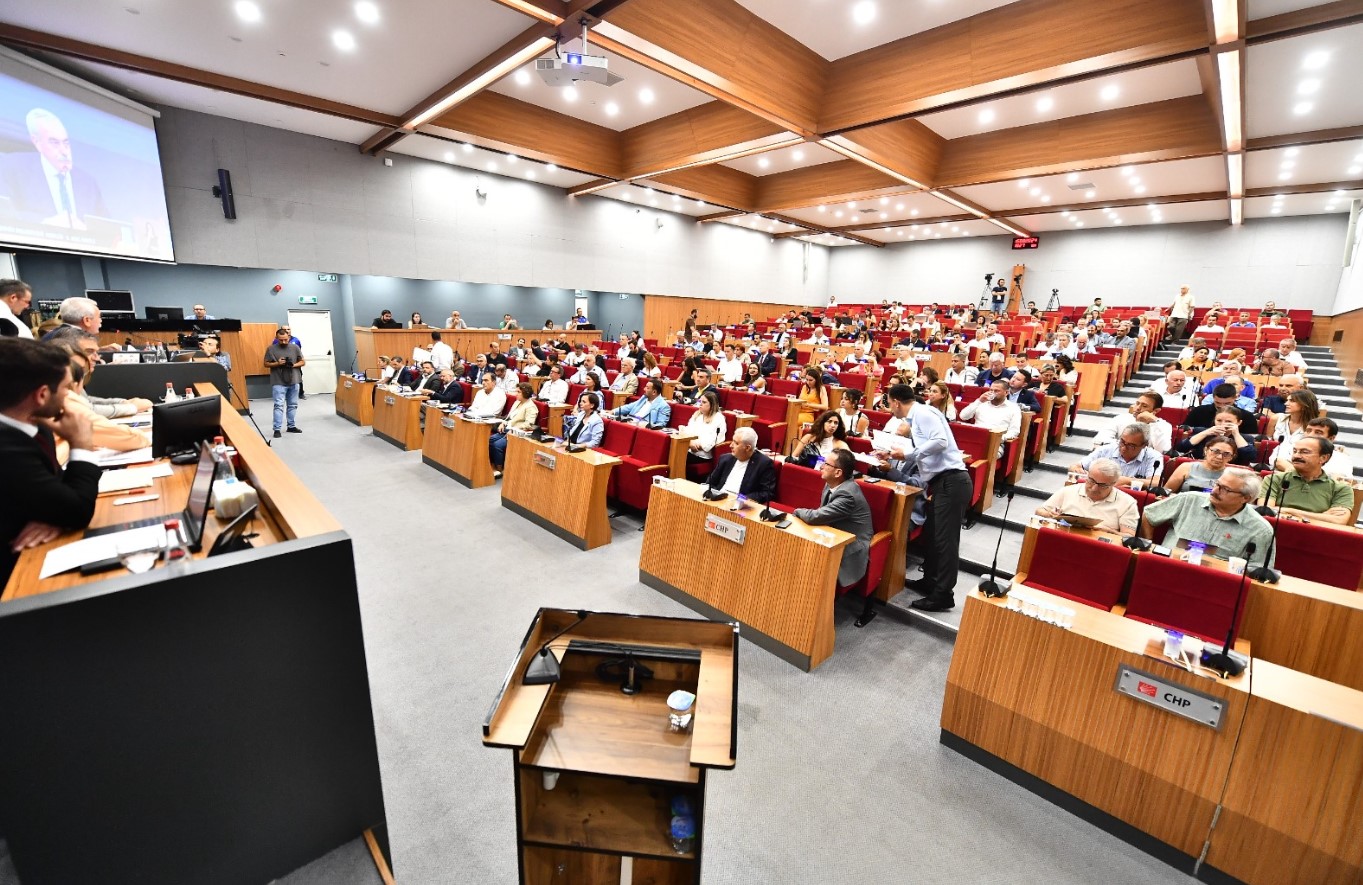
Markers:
{"x": 1147, "y": 689}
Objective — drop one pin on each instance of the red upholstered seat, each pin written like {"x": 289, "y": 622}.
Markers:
{"x": 877, "y": 419}
{"x": 646, "y": 459}
{"x": 737, "y": 400}
{"x": 1079, "y": 568}
{"x": 796, "y": 487}
{"x": 617, "y": 440}
{"x": 974, "y": 442}
{"x": 681, "y": 414}
{"x": 1316, "y": 553}
{"x": 1192, "y": 599}
{"x": 575, "y": 393}
{"x": 770, "y": 421}
{"x": 783, "y": 387}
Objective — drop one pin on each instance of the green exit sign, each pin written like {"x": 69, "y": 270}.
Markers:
{"x": 307, "y": 299}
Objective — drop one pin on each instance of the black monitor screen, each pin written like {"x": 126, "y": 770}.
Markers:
{"x": 165, "y": 313}
{"x": 112, "y": 300}
{"x": 180, "y": 425}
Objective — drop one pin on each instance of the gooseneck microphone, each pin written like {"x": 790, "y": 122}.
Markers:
{"x": 989, "y": 585}
{"x": 1222, "y": 661}
{"x": 353, "y": 361}
{"x": 1265, "y": 573}
{"x": 543, "y": 668}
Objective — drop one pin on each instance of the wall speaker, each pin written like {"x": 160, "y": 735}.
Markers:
{"x": 223, "y": 191}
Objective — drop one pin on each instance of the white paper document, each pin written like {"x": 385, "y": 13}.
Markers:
{"x": 88, "y": 550}
{"x": 110, "y": 458}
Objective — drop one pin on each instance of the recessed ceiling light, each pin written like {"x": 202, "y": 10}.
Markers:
{"x": 884, "y": 201}
{"x": 449, "y": 156}
{"x": 1354, "y": 170}
{"x": 626, "y": 196}
{"x": 522, "y": 77}
{"x": 852, "y": 204}
{"x": 1308, "y": 87}
{"x": 1116, "y": 221}
{"x": 1291, "y": 152}
{"x": 1128, "y": 171}
{"x": 570, "y": 94}
{"x": 1044, "y": 104}
{"x": 468, "y": 148}
{"x": 646, "y": 95}
{"x": 856, "y": 218}
{"x": 367, "y": 12}
{"x": 1046, "y": 198}
{"x": 700, "y": 204}
{"x": 1036, "y": 192}
{"x": 551, "y": 168}
{"x": 798, "y": 156}
{"x": 913, "y": 227}
{"x": 1276, "y": 210}
{"x": 491, "y": 166}
{"x": 1303, "y": 107}
{"x": 884, "y": 216}
{"x": 1140, "y": 189}
{"x": 823, "y": 208}
{"x": 1287, "y": 164}
{"x": 913, "y": 212}
{"x": 1110, "y": 92}
{"x": 987, "y": 116}
{"x": 864, "y": 12}
{"x": 1023, "y": 182}
{"x": 1316, "y": 60}
{"x": 1284, "y": 176}
{"x": 530, "y": 174}
{"x": 1089, "y": 195}
{"x": 899, "y": 207}
{"x": 612, "y": 109}
{"x": 247, "y": 10}
{"x": 954, "y": 228}
{"x": 900, "y": 232}
{"x": 837, "y": 214}
{"x": 763, "y": 162}
{"x": 1072, "y": 177}
{"x": 1065, "y": 214}
{"x": 1079, "y": 224}
{"x": 343, "y": 40}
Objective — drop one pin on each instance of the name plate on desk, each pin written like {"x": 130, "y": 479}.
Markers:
{"x": 1189, "y": 703}
{"x": 388, "y": 400}
{"x": 546, "y": 460}
{"x": 447, "y": 422}
{"x": 727, "y": 529}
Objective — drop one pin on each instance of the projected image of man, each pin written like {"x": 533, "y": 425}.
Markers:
{"x": 45, "y": 185}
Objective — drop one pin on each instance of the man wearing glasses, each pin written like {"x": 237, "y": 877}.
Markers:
{"x": 1097, "y": 497}
{"x": 1133, "y": 455}
{"x": 1311, "y": 494}
{"x": 1224, "y": 518}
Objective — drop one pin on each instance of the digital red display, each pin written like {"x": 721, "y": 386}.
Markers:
{"x": 1026, "y": 242}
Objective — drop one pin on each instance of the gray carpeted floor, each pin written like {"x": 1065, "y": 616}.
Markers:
{"x": 840, "y": 777}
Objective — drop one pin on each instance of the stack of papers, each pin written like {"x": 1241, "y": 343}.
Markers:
{"x": 100, "y": 547}
{"x": 111, "y": 458}
{"x": 132, "y": 478}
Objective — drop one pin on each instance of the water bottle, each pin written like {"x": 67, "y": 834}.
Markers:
{"x": 223, "y": 471}
{"x": 683, "y": 832}
{"x": 176, "y": 551}
{"x": 189, "y": 393}
{"x": 1195, "y": 551}
{"x": 171, "y": 396}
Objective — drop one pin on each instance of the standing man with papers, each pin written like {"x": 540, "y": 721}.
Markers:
{"x": 41, "y": 500}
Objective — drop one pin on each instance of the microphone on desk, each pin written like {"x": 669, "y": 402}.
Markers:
{"x": 1223, "y": 661}
{"x": 990, "y": 585}
{"x": 711, "y": 494}
{"x": 353, "y": 361}
{"x": 543, "y": 668}
{"x": 1264, "y": 572}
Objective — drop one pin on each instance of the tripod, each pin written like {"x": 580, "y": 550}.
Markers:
{"x": 986, "y": 296}
{"x": 1016, "y": 290}
{"x": 1053, "y": 303}
{"x": 246, "y": 406}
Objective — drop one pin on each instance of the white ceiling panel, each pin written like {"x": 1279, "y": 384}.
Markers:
{"x": 642, "y": 96}
{"x": 1174, "y": 213}
{"x": 1301, "y": 204}
{"x": 1305, "y": 83}
{"x": 1200, "y": 175}
{"x": 758, "y": 223}
{"x": 830, "y": 240}
{"x": 836, "y": 28}
{"x": 1264, "y": 8}
{"x": 895, "y": 208}
{"x": 492, "y": 162}
{"x": 784, "y": 159}
{"x": 649, "y": 198}
{"x": 1157, "y": 83}
{"x": 941, "y": 231}
{"x": 1308, "y": 164}
{"x": 414, "y": 48}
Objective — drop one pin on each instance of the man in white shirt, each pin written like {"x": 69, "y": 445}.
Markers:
{"x": 960, "y": 373}
{"x": 555, "y": 390}
{"x": 15, "y": 297}
{"x": 1175, "y": 390}
{"x": 1159, "y": 433}
{"x": 1180, "y": 313}
{"x": 994, "y": 336}
{"x": 1064, "y": 344}
{"x": 489, "y": 401}
{"x": 589, "y": 367}
{"x": 904, "y": 361}
{"x": 442, "y": 355}
{"x": 1287, "y": 350}
{"x": 1210, "y": 327}
{"x": 782, "y": 336}
{"x": 506, "y": 379}
{"x": 817, "y": 336}
{"x": 730, "y": 366}
{"x": 1097, "y": 497}
{"x": 993, "y": 411}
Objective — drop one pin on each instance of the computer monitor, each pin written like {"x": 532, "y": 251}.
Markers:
{"x": 181, "y": 425}
{"x": 165, "y": 313}
{"x": 113, "y": 301}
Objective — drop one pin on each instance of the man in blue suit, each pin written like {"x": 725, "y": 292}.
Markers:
{"x": 650, "y": 409}
{"x": 44, "y": 185}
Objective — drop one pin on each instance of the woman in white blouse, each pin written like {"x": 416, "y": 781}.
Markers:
{"x": 709, "y": 426}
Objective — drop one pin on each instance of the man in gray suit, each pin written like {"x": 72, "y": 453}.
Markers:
{"x": 844, "y": 507}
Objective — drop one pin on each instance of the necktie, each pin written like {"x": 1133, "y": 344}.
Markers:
{"x": 826, "y": 495}
{"x": 49, "y": 448}
{"x": 65, "y": 194}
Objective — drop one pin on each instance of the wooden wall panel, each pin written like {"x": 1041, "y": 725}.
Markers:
{"x": 1018, "y": 44}
{"x": 665, "y": 315}
{"x": 703, "y": 133}
{"x": 503, "y": 123}
{"x": 1165, "y": 130}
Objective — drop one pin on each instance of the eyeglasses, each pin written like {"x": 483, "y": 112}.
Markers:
{"x": 1218, "y": 453}
{"x": 1098, "y": 485}
{"x": 1222, "y": 487}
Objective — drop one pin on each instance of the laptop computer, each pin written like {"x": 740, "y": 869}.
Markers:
{"x": 193, "y": 518}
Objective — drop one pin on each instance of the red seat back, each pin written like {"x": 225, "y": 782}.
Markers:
{"x": 798, "y": 486}
{"x": 681, "y": 414}
{"x": 769, "y": 408}
{"x": 575, "y": 393}
{"x": 972, "y": 440}
{"x": 1315, "y": 553}
{"x": 618, "y": 439}
{"x": 737, "y": 400}
{"x": 650, "y": 447}
{"x": 880, "y": 498}
{"x": 782, "y": 387}
{"x": 1100, "y": 583}
{"x": 1192, "y": 599}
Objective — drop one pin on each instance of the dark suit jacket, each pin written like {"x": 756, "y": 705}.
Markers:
{"x": 450, "y": 396}
{"x": 432, "y": 383}
{"x": 474, "y": 374}
{"x": 36, "y": 490}
{"x": 26, "y": 185}
{"x": 1027, "y": 401}
{"x": 759, "y": 483}
{"x": 1203, "y": 417}
{"x": 768, "y": 364}
{"x": 408, "y": 377}
{"x": 846, "y": 509}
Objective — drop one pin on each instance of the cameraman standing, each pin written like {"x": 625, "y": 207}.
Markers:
{"x": 285, "y": 361}
{"x": 999, "y": 294}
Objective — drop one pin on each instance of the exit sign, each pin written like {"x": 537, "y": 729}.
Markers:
{"x": 1026, "y": 242}
{"x": 307, "y": 299}
{"x": 326, "y": 278}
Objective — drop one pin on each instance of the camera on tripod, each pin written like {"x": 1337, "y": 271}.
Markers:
{"x": 1017, "y": 278}
{"x": 988, "y": 278}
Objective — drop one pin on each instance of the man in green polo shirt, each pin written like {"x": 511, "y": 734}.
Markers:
{"x": 1223, "y": 518}
{"x": 1311, "y": 495}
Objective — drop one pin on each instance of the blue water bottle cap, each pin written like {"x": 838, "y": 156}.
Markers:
{"x": 683, "y": 826}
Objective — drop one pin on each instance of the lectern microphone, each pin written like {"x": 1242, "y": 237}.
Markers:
{"x": 543, "y": 668}
{"x": 990, "y": 585}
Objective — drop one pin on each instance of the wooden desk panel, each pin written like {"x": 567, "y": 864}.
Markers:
{"x": 724, "y": 580}
{"x": 397, "y": 419}
{"x": 372, "y": 343}
{"x": 1041, "y": 698}
{"x": 568, "y": 500}
{"x": 1093, "y": 384}
{"x": 355, "y": 400}
{"x": 458, "y": 448}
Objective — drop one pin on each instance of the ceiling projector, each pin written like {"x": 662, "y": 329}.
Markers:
{"x": 565, "y": 70}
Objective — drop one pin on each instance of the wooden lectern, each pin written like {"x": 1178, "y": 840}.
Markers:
{"x": 596, "y": 768}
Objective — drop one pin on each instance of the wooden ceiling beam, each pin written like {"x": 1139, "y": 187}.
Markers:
{"x": 725, "y": 50}
{"x": 720, "y": 216}
{"x": 1175, "y": 129}
{"x": 819, "y": 229}
{"x": 904, "y": 149}
{"x": 833, "y": 182}
{"x": 1317, "y": 188}
{"x": 710, "y": 133}
{"x": 1016, "y": 48}
{"x": 502, "y": 123}
{"x": 715, "y": 184}
{"x": 882, "y": 225}
{"x": 1125, "y": 203}
{"x": 26, "y": 38}
{"x": 549, "y": 11}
